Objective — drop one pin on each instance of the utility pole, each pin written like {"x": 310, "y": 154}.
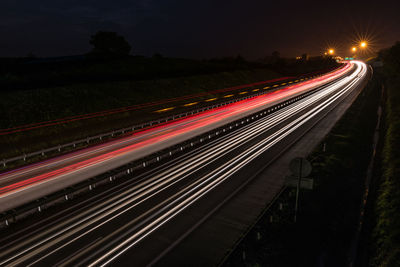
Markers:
{"x": 300, "y": 169}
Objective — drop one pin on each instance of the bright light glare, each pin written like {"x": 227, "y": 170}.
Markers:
{"x": 363, "y": 44}
{"x": 331, "y": 51}
{"x": 354, "y": 49}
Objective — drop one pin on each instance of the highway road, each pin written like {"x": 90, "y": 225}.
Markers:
{"x": 34, "y": 181}
{"x": 113, "y": 227}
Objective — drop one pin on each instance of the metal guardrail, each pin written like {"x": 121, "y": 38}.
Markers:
{"x": 110, "y": 134}
{"x": 14, "y": 215}
{"x": 122, "y": 131}
{"x": 74, "y": 144}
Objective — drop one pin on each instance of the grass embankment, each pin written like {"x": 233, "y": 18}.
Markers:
{"x": 328, "y": 215}
{"x": 386, "y": 247}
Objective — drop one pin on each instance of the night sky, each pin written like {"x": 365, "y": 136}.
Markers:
{"x": 197, "y": 29}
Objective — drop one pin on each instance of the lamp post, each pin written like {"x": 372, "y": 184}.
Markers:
{"x": 363, "y": 44}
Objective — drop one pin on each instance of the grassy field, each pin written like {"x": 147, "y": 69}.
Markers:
{"x": 385, "y": 248}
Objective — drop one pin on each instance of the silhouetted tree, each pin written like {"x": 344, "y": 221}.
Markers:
{"x": 391, "y": 59}
{"x": 109, "y": 43}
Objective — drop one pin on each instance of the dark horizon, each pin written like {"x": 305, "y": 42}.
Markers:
{"x": 197, "y": 30}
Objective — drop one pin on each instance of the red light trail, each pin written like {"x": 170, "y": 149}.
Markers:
{"x": 149, "y": 137}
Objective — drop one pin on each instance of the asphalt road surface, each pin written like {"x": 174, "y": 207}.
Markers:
{"x": 120, "y": 226}
{"x": 37, "y": 180}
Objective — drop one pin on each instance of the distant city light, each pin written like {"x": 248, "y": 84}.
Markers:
{"x": 354, "y": 49}
{"x": 331, "y": 51}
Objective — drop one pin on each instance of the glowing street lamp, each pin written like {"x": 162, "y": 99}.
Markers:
{"x": 331, "y": 51}
{"x": 363, "y": 44}
{"x": 354, "y": 49}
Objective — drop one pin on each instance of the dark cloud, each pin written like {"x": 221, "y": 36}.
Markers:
{"x": 199, "y": 29}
